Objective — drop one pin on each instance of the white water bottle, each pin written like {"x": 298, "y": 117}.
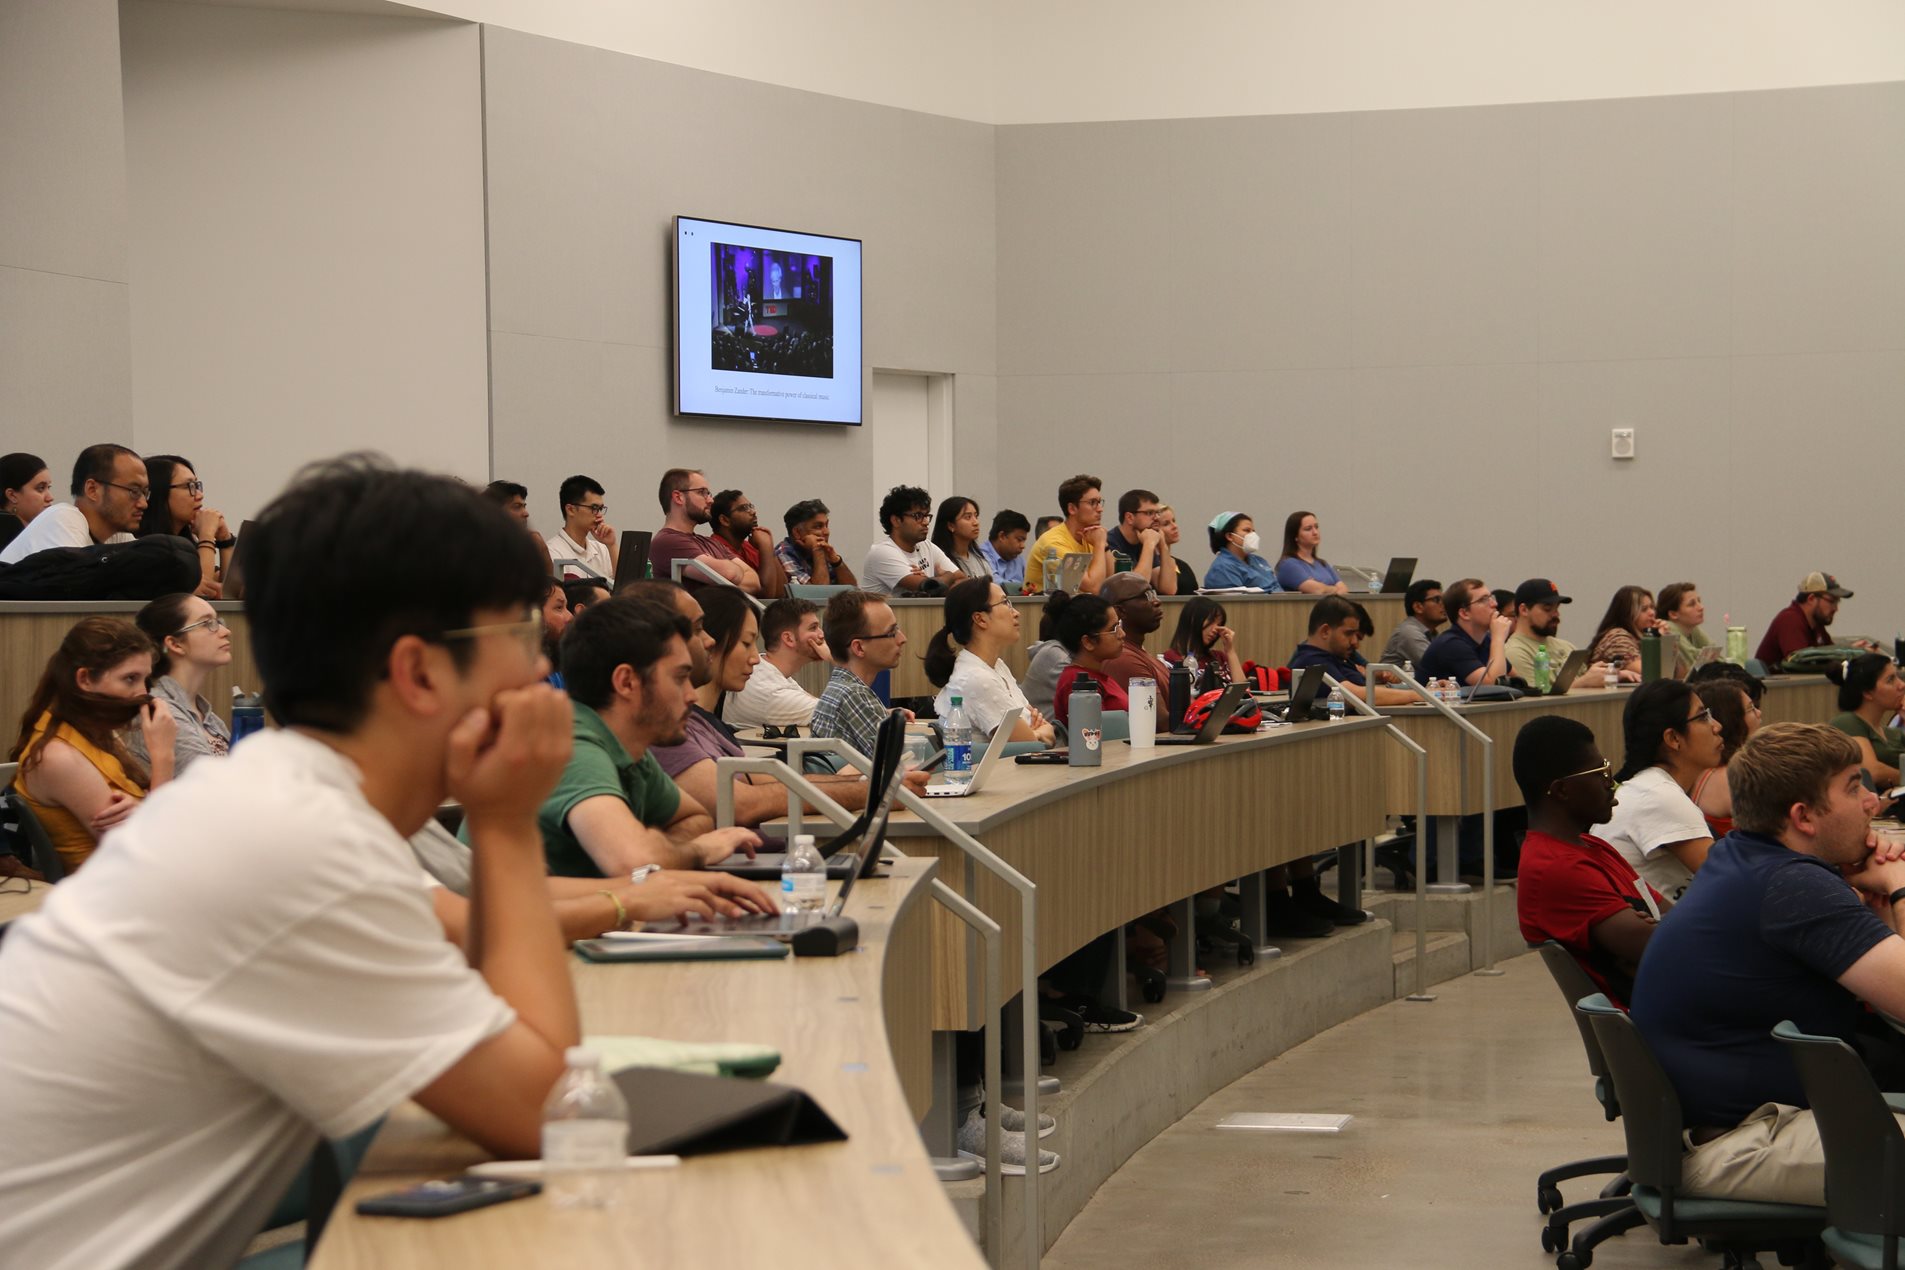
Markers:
{"x": 1336, "y": 704}
{"x": 958, "y": 743}
{"x": 803, "y": 877}
{"x": 584, "y": 1134}
{"x": 1408, "y": 669}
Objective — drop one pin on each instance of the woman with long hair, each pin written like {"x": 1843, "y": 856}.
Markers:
{"x": 26, "y": 490}
{"x": 1090, "y": 631}
{"x": 1737, "y": 712}
{"x": 1870, "y": 694}
{"x": 178, "y": 507}
{"x": 1203, "y": 632}
{"x": 192, "y": 642}
{"x": 1630, "y": 614}
{"x": 1671, "y": 738}
{"x": 75, "y": 771}
{"x": 1299, "y": 568}
{"x": 956, "y": 532}
{"x": 984, "y": 624}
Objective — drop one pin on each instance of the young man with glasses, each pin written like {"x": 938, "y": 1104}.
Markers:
{"x": 687, "y": 501}
{"x": 864, "y": 638}
{"x": 586, "y": 545}
{"x": 1573, "y": 887}
{"x": 1081, "y": 532}
{"x": 1137, "y": 543}
{"x": 1474, "y": 650}
{"x": 1671, "y": 738}
{"x": 905, "y": 562}
{"x": 110, "y": 494}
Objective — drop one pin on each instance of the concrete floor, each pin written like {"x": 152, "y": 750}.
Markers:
{"x": 1459, "y": 1103}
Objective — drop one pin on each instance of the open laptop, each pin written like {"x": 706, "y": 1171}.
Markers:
{"x": 940, "y": 787}
{"x": 1071, "y": 571}
{"x": 889, "y": 749}
{"x": 1214, "y": 725}
{"x": 1570, "y": 671}
{"x": 632, "y": 561}
{"x": 234, "y": 588}
{"x": 1401, "y": 572}
{"x": 1302, "y": 697}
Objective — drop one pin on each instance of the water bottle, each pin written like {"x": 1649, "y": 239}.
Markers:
{"x": 1612, "y": 676}
{"x": 803, "y": 877}
{"x": 1336, "y": 704}
{"x": 584, "y": 1134}
{"x": 1408, "y": 669}
{"x": 1544, "y": 670}
{"x": 1179, "y": 695}
{"x": 958, "y": 743}
{"x": 1087, "y": 726}
{"x": 1051, "y": 569}
{"x": 248, "y": 714}
{"x": 1143, "y": 692}
{"x": 1736, "y": 645}
{"x": 1649, "y": 657}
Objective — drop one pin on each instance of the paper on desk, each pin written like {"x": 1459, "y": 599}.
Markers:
{"x": 704, "y": 1058}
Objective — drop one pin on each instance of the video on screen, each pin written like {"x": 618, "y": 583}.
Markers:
{"x": 773, "y": 312}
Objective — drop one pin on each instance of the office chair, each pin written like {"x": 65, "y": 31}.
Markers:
{"x": 1614, "y": 1208}
{"x": 1865, "y": 1151}
{"x": 19, "y": 822}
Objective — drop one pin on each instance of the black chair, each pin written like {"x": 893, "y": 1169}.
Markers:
{"x": 1652, "y": 1121}
{"x": 1865, "y": 1150}
{"x": 26, "y": 831}
{"x": 1613, "y": 1208}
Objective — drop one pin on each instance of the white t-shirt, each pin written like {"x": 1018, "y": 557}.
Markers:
{"x": 61, "y": 525}
{"x": 769, "y": 698}
{"x": 986, "y": 691}
{"x": 590, "y": 552}
{"x": 1650, "y": 812}
{"x": 886, "y": 564}
{"x": 246, "y": 963}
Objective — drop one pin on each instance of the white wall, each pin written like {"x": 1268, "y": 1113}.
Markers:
{"x": 63, "y": 309}
{"x": 307, "y": 256}
{"x": 1055, "y": 61}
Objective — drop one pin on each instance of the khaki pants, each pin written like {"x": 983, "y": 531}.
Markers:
{"x": 1774, "y": 1155}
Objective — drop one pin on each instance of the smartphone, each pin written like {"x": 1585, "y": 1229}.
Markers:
{"x": 932, "y": 762}
{"x": 445, "y": 1197}
{"x": 1042, "y": 758}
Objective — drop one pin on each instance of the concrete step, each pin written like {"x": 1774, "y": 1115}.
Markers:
{"x": 1448, "y": 958}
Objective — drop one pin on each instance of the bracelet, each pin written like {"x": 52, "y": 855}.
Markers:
{"x": 204, "y": 543}
{"x": 225, "y": 544}
{"x": 1896, "y": 896}
{"x": 621, "y": 913}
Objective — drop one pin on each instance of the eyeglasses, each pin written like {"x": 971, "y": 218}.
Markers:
{"x": 1116, "y": 628}
{"x": 922, "y": 516}
{"x": 1605, "y": 771}
{"x": 595, "y": 509}
{"x": 528, "y": 631}
{"x": 1700, "y": 716}
{"x": 212, "y": 623}
{"x": 140, "y": 493}
{"x": 892, "y": 634}
{"x": 702, "y": 490}
{"x": 194, "y": 487}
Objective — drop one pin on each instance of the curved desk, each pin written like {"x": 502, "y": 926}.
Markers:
{"x": 851, "y": 1031}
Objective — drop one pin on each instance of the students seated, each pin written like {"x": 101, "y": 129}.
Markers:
{"x": 1203, "y": 633}
{"x": 251, "y": 965}
{"x": 1680, "y": 605}
{"x": 579, "y": 593}
{"x": 555, "y": 623}
{"x": 806, "y": 554}
{"x": 586, "y": 546}
{"x": 956, "y": 534}
{"x": 1737, "y": 712}
{"x": 1299, "y": 568}
{"x": 1140, "y": 613}
{"x": 1630, "y": 615}
{"x": 1234, "y": 543}
{"x": 1409, "y": 642}
{"x": 1805, "y": 623}
{"x": 110, "y": 493}
{"x": 1080, "y": 531}
{"x": 1171, "y": 532}
{"x": 627, "y": 665}
{"x": 1136, "y": 544}
{"x": 1046, "y": 659}
{"x": 76, "y": 773}
{"x": 733, "y": 519}
{"x": 177, "y": 507}
{"x": 1870, "y": 694}
{"x": 1793, "y": 919}
{"x": 1092, "y": 634}
{"x": 1670, "y": 738}
{"x": 1573, "y": 887}
{"x": 903, "y": 561}
{"x": 26, "y": 490}
{"x": 192, "y": 642}
{"x": 1004, "y": 549}
{"x": 1474, "y": 650}
{"x": 687, "y": 501}
{"x": 864, "y": 638}
{"x": 1537, "y": 619}
{"x": 984, "y": 624}
{"x": 791, "y": 639}
{"x": 1334, "y": 623}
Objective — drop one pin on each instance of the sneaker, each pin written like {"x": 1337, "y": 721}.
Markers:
{"x": 1285, "y": 919}
{"x": 1312, "y": 900}
{"x": 972, "y": 1145}
{"x": 1012, "y": 1120}
{"x": 1104, "y": 1018}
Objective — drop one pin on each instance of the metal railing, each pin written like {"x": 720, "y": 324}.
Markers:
{"x": 706, "y": 571}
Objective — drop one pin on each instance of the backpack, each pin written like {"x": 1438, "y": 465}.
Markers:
{"x": 143, "y": 569}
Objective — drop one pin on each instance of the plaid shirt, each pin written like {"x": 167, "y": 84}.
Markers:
{"x": 848, "y": 710}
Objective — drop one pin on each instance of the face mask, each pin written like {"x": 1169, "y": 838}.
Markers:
{"x": 1251, "y": 541}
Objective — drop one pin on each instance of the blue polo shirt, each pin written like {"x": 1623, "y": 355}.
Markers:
{"x": 1762, "y": 935}
{"x": 1453, "y": 655}
{"x": 1228, "y": 571}
{"x": 1293, "y": 573}
{"x": 1308, "y": 654}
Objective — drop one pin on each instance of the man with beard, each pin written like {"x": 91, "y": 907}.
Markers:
{"x": 736, "y": 523}
{"x": 628, "y": 665}
{"x": 1138, "y": 608}
{"x": 687, "y": 501}
{"x": 1537, "y": 618}
{"x": 1807, "y": 621}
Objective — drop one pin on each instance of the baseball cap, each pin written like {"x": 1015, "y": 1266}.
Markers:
{"x": 1540, "y": 591}
{"x": 1823, "y": 584}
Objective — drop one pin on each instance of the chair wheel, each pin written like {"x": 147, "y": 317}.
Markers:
{"x": 1548, "y": 1198}
{"x": 1572, "y": 1260}
{"x": 1553, "y": 1240}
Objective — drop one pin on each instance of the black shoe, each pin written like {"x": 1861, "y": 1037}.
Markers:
{"x": 1103, "y": 1018}
{"x": 1285, "y": 920}
{"x": 1312, "y": 900}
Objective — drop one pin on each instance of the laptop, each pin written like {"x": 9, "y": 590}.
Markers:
{"x": 632, "y": 562}
{"x": 1071, "y": 571}
{"x": 889, "y": 749}
{"x": 1219, "y": 718}
{"x": 1570, "y": 670}
{"x": 940, "y": 787}
{"x": 1302, "y": 697}
{"x": 1401, "y": 572}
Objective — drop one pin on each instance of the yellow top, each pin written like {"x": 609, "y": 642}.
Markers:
{"x": 1059, "y": 536}
{"x": 71, "y": 836}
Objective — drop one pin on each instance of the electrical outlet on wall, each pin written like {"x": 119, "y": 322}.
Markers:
{"x": 1623, "y": 443}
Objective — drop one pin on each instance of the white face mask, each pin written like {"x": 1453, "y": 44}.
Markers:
{"x": 1250, "y": 542}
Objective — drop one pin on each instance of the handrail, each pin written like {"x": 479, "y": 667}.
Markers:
{"x": 1488, "y": 805}
{"x": 1362, "y": 707}
{"x": 798, "y": 787}
{"x": 992, "y": 936}
{"x": 696, "y": 563}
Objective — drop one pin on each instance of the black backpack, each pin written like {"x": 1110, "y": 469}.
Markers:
{"x": 142, "y": 569}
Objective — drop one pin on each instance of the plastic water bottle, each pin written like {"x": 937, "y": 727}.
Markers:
{"x": 248, "y": 714}
{"x": 584, "y": 1134}
{"x": 1051, "y": 569}
{"x": 1336, "y": 704}
{"x": 1408, "y": 669}
{"x": 1543, "y": 670}
{"x": 803, "y": 877}
{"x": 1613, "y": 679}
{"x": 958, "y": 743}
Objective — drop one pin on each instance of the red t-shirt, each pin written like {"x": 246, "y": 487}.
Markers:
{"x": 1788, "y": 633}
{"x": 670, "y": 545}
{"x": 1563, "y": 891}
{"x": 1114, "y": 696}
{"x": 1135, "y": 663}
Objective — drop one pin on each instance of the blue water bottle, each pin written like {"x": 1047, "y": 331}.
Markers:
{"x": 248, "y": 715}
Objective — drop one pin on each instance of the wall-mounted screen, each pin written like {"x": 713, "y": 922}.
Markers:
{"x": 767, "y": 323}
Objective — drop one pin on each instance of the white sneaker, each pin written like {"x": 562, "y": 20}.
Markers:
{"x": 972, "y": 1145}
{"x": 1012, "y": 1120}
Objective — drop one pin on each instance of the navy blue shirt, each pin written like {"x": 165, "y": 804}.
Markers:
{"x": 1453, "y": 655}
{"x": 1763, "y": 934}
{"x": 1308, "y": 654}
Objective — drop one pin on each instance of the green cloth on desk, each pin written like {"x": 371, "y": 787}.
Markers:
{"x": 706, "y": 1058}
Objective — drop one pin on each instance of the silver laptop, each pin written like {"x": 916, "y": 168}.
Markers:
{"x": 1570, "y": 671}
{"x": 1071, "y": 571}
{"x": 941, "y": 787}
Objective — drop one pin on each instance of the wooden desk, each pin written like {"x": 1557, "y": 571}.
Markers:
{"x": 1107, "y": 845}
{"x": 16, "y": 903}
{"x": 847, "y": 1027}
{"x": 31, "y": 631}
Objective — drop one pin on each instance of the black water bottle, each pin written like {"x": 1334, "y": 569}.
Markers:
{"x": 1180, "y": 696}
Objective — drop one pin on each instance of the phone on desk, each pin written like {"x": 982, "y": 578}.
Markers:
{"x": 1042, "y": 758}
{"x": 446, "y": 1197}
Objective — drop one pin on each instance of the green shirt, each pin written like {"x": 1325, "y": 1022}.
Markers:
{"x": 1687, "y": 649}
{"x": 1887, "y": 743}
{"x": 599, "y": 765}
{"x": 1521, "y": 650}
